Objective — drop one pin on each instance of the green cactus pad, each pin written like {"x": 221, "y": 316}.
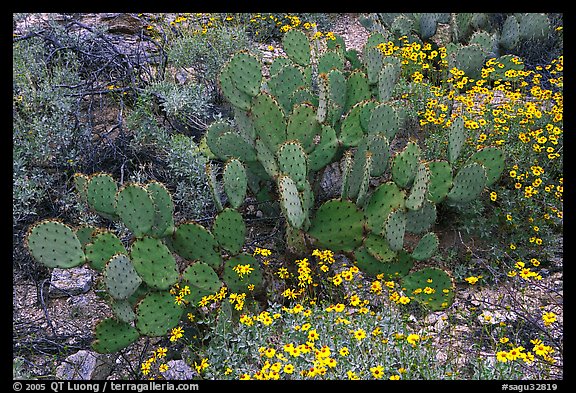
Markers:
{"x": 503, "y": 65}
{"x": 266, "y": 158}
{"x": 157, "y": 313}
{"x": 373, "y": 61}
{"x": 237, "y": 284}
{"x": 405, "y": 165}
{"x": 213, "y": 132}
{"x": 510, "y": 34}
{"x": 469, "y": 59}
{"x": 468, "y": 183}
{"x": 291, "y": 160}
{"x": 229, "y": 230}
{"x": 303, "y": 126}
{"x": 395, "y": 228}
{"x": 213, "y": 185}
{"x": 202, "y": 281}
{"x": 233, "y": 94}
{"x": 233, "y": 145}
{"x": 81, "y": 184}
{"x": 346, "y": 173}
{"x": 419, "y": 189}
{"x": 120, "y": 277}
{"x": 338, "y": 225}
{"x": 325, "y": 150}
{"x": 163, "y": 223}
{"x": 384, "y": 120}
{"x": 392, "y": 269}
{"x": 100, "y": 194}
{"x": 269, "y": 120}
{"x": 246, "y": 72}
{"x": 278, "y": 64}
{"x": 456, "y": 139}
{"x": 112, "y": 336}
{"x": 336, "y": 95}
{"x": 235, "y": 182}
{"x": 431, "y": 287}
{"x": 303, "y": 95}
{"x": 534, "y": 26}
{"x": 154, "y": 263}
{"x": 379, "y": 248}
{"x": 440, "y": 180}
{"x": 387, "y": 79}
{"x": 492, "y": 158}
{"x": 351, "y": 131}
{"x": 426, "y": 247}
{"x": 330, "y": 60}
{"x": 365, "y": 182}
{"x": 385, "y": 198}
{"x": 104, "y": 245}
{"x": 123, "y": 310}
{"x": 418, "y": 221}
{"x": 297, "y": 46}
{"x": 194, "y": 242}
{"x": 357, "y": 88}
{"x": 54, "y": 244}
{"x": 284, "y": 83}
{"x": 290, "y": 201}
{"x": 136, "y": 209}
{"x": 84, "y": 234}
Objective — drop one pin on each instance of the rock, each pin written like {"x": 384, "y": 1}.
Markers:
{"x": 331, "y": 182}
{"x": 70, "y": 282}
{"x": 122, "y": 23}
{"x": 179, "y": 370}
{"x": 85, "y": 365}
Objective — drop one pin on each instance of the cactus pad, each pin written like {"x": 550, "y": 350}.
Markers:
{"x": 238, "y": 284}
{"x": 338, "y": 225}
{"x": 163, "y": 223}
{"x": 269, "y": 120}
{"x": 405, "y": 165}
{"x": 492, "y": 158}
{"x": 120, "y": 277}
{"x": 157, "y": 313}
{"x": 136, "y": 209}
{"x": 385, "y": 198}
{"x": 246, "y": 72}
{"x": 297, "y": 46}
{"x": 194, "y": 242}
{"x": 154, "y": 263}
{"x": 468, "y": 183}
{"x": 418, "y": 221}
{"x": 419, "y": 189}
{"x": 202, "y": 280}
{"x": 235, "y": 182}
{"x": 456, "y": 139}
{"x": 432, "y": 287}
{"x": 290, "y": 201}
{"x": 426, "y": 247}
{"x": 395, "y": 228}
{"x": 292, "y": 162}
{"x": 229, "y": 230}
{"x": 100, "y": 194}
{"x": 440, "y": 180}
{"x": 54, "y": 244}
{"x": 303, "y": 126}
{"x": 325, "y": 150}
{"x": 112, "y": 336}
{"x": 104, "y": 246}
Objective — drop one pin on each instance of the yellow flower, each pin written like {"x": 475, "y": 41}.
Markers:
{"x": 472, "y": 279}
{"x": 359, "y": 334}
{"x": 288, "y": 368}
{"x": 413, "y": 339}
{"x": 176, "y": 333}
{"x": 502, "y": 356}
{"x": 549, "y": 318}
{"x": 344, "y": 351}
{"x": 377, "y": 372}
{"x": 352, "y": 375}
{"x": 163, "y": 368}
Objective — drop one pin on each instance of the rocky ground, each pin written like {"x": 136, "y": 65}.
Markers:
{"x": 53, "y": 318}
